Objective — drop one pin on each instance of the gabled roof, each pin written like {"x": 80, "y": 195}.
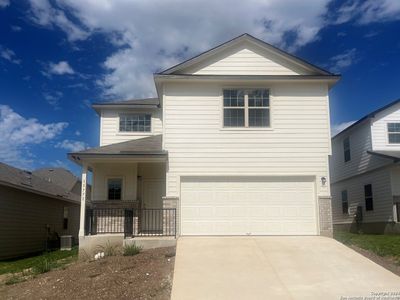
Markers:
{"x": 151, "y": 146}
{"x": 249, "y": 38}
{"x": 368, "y": 116}
{"x": 27, "y": 181}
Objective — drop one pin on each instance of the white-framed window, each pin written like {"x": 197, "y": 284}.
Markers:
{"x": 135, "y": 123}
{"x": 65, "y": 217}
{"x": 114, "y": 188}
{"x": 345, "y": 202}
{"x": 369, "y": 200}
{"x": 346, "y": 149}
{"x": 393, "y": 133}
{"x": 246, "y": 108}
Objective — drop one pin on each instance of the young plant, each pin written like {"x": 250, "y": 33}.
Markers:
{"x": 133, "y": 249}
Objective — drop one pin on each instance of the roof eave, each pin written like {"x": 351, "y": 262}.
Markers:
{"x": 80, "y": 158}
{"x": 31, "y": 190}
{"x": 395, "y": 159}
{"x": 99, "y": 107}
{"x": 330, "y": 79}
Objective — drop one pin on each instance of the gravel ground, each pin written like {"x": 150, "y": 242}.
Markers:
{"x": 147, "y": 275}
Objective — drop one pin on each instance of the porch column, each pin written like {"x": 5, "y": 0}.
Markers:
{"x": 83, "y": 201}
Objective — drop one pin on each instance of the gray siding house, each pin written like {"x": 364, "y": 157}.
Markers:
{"x": 35, "y": 208}
{"x": 365, "y": 173}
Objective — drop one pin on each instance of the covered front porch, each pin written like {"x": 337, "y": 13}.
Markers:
{"x": 128, "y": 189}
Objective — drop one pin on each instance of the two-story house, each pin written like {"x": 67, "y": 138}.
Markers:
{"x": 236, "y": 143}
{"x": 365, "y": 173}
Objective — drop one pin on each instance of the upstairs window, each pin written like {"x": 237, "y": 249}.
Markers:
{"x": 369, "y": 202}
{"x": 246, "y": 108}
{"x": 135, "y": 123}
{"x": 346, "y": 149}
{"x": 345, "y": 202}
{"x": 393, "y": 133}
{"x": 114, "y": 187}
{"x": 234, "y": 108}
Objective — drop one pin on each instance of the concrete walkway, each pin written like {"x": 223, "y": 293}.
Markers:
{"x": 274, "y": 268}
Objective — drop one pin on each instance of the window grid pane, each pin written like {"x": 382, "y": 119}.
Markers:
{"x": 233, "y": 117}
{"x": 114, "y": 189}
{"x": 346, "y": 149}
{"x": 135, "y": 123}
{"x": 259, "y": 117}
{"x": 259, "y": 98}
{"x": 345, "y": 203}
{"x": 233, "y": 98}
{"x": 394, "y": 127}
{"x": 368, "y": 197}
{"x": 394, "y": 138}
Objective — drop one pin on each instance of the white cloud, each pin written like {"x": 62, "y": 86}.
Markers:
{"x": 368, "y": 11}
{"x": 45, "y": 14}
{"x": 53, "y": 98}
{"x": 9, "y": 55}
{"x": 17, "y": 134}
{"x": 72, "y": 146}
{"x": 77, "y": 133}
{"x": 15, "y": 28}
{"x": 157, "y": 34}
{"x": 336, "y": 128}
{"x": 4, "y": 3}
{"x": 344, "y": 60}
{"x": 60, "y": 68}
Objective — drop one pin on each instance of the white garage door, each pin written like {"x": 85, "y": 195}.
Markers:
{"x": 244, "y": 206}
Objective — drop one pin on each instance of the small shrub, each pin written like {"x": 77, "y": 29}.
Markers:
{"x": 13, "y": 279}
{"x": 43, "y": 266}
{"x": 133, "y": 249}
{"x": 108, "y": 249}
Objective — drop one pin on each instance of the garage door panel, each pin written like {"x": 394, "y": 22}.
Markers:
{"x": 239, "y": 206}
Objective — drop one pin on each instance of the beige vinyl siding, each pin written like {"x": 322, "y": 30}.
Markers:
{"x": 382, "y": 197}
{"x": 298, "y": 141}
{"x": 109, "y": 126}
{"x": 245, "y": 62}
{"x": 395, "y": 181}
{"x": 24, "y": 217}
{"x": 361, "y": 161}
{"x": 379, "y": 128}
{"x": 104, "y": 171}
{"x": 129, "y": 172}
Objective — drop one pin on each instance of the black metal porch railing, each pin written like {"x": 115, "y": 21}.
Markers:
{"x": 131, "y": 222}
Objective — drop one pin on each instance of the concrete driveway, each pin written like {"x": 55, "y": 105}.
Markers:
{"x": 274, "y": 268}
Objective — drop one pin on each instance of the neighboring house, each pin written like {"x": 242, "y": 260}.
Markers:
{"x": 237, "y": 142}
{"x": 365, "y": 173}
{"x": 36, "y": 208}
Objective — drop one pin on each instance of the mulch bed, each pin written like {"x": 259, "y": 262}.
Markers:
{"x": 147, "y": 275}
{"x": 384, "y": 261}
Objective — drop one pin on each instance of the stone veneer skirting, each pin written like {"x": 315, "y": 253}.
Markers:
{"x": 325, "y": 216}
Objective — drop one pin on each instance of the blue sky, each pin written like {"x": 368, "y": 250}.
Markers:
{"x": 59, "y": 56}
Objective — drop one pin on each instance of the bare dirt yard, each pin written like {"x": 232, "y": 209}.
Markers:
{"x": 147, "y": 275}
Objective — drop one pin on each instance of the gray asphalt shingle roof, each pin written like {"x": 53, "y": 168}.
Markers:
{"x": 26, "y": 180}
{"x": 395, "y": 155}
{"x": 58, "y": 176}
{"x": 145, "y": 146}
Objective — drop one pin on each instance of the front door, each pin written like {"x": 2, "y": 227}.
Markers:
{"x": 152, "y": 215}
